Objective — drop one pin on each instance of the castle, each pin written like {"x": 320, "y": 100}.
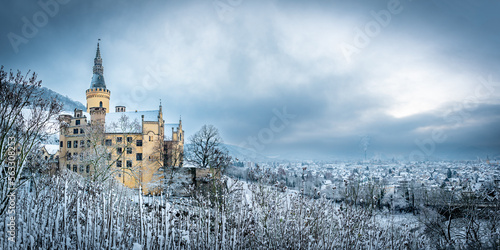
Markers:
{"x": 129, "y": 146}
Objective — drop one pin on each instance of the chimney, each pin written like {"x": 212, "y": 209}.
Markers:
{"x": 78, "y": 113}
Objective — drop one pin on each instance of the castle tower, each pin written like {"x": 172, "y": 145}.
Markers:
{"x": 97, "y": 115}
{"x": 97, "y": 94}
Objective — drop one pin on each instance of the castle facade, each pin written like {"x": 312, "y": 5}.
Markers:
{"x": 133, "y": 147}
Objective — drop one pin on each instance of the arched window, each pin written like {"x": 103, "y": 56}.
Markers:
{"x": 100, "y": 104}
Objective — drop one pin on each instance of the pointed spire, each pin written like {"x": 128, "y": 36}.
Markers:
{"x": 98, "y": 70}
{"x": 98, "y": 52}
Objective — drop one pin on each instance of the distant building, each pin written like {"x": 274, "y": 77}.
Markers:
{"x": 50, "y": 154}
{"x": 135, "y": 141}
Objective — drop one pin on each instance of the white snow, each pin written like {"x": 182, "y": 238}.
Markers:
{"x": 51, "y": 149}
{"x": 137, "y": 246}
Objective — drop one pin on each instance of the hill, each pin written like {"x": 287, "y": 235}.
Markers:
{"x": 68, "y": 103}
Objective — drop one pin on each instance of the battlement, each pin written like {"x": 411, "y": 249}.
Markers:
{"x": 97, "y": 110}
{"x": 98, "y": 90}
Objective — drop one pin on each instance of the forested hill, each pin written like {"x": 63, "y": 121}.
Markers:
{"x": 68, "y": 103}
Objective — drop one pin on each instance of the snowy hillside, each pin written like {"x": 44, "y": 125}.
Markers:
{"x": 68, "y": 103}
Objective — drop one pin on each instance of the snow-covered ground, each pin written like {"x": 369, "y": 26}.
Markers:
{"x": 69, "y": 212}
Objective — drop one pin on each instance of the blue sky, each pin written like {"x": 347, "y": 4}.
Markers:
{"x": 306, "y": 79}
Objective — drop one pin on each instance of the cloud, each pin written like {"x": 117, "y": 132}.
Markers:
{"x": 282, "y": 54}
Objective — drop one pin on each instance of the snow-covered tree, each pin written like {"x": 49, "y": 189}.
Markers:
{"x": 25, "y": 120}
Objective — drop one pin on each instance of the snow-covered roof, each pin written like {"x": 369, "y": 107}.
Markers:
{"x": 149, "y": 116}
{"x": 71, "y": 113}
{"x": 51, "y": 149}
{"x": 116, "y": 124}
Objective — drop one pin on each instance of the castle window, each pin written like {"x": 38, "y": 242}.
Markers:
{"x": 129, "y": 164}
{"x": 69, "y": 144}
{"x": 61, "y": 144}
{"x": 81, "y": 131}
{"x": 46, "y": 157}
{"x": 87, "y": 169}
{"x": 82, "y": 144}
{"x": 108, "y": 157}
{"x": 68, "y": 156}
{"x": 118, "y": 164}
{"x": 75, "y": 168}
{"x": 100, "y": 104}
{"x": 129, "y": 151}
{"x": 150, "y": 138}
{"x": 119, "y": 175}
{"x": 81, "y": 169}
{"x": 75, "y": 144}
{"x": 129, "y": 139}
{"x": 68, "y": 166}
{"x": 138, "y": 156}
{"x": 75, "y": 131}
{"x": 77, "y": 122}
{"x": 139, "y": 143}
{"x": 119, "y": 151}
{"x": 108, "y": 142}
{"x": 118, "y": 139}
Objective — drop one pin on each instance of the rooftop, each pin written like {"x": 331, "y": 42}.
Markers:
{"x": 129, "y": 122}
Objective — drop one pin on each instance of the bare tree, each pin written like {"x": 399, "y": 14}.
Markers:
{"x": 205, "y": 149}
{"x": 100, "y": 155}
{"x": 172, "y": 156}
{"x": 25, "y": 119}
{"x": 168, "y": 155}
{"x": 438, "y": 214}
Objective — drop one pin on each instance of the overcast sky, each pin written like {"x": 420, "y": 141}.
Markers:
{"x": 408, "y": 79}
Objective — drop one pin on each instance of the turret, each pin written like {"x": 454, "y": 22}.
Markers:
{"x": 97, "y": 115}
{"x": 98, "y": 95}
{"x": 120, "y": 109}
